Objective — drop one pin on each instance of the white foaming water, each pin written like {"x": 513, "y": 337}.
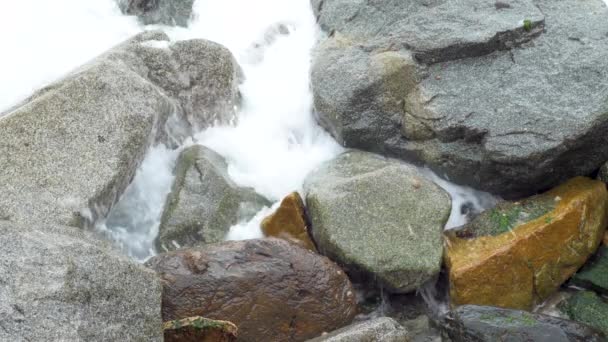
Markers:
{"x": 276, "y": 141}
{"x": 466, "y": 201}
{"x": 44, "y": 40}
{"x": 133, "y": 222}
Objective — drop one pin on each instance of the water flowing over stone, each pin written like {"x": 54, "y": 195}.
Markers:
{"x": 204, "y": 202}
{"x": 61, "y": 283}
{"x": 271, "y": 289}
{"x": 379, "y": 218}
{"x": 69, "y": 151}
{"x": 508, "y": 99}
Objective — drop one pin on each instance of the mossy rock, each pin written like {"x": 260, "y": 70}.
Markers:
{"x": 518, "y": 254}
{"x": 587, "y": 307}
{"x": 199, "y": 329}
{"x": 594, "y": 275}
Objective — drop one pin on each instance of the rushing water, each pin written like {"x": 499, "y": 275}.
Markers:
{"x": 274, "y": 144}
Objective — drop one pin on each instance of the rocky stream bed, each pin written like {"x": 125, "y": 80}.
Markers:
{"x": 293, "y": 179}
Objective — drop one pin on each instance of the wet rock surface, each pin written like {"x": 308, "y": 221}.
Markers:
{"x": 379, "y": 218}
{"x": 70, "y": 150}
{"x": 289, "y": 222}
{"x": 204, "y": 201}
{"x": 199, "y": 329}
{"x": 398, "y": 79}
{"x": 271, "y": 289}
{"x": 540, "y": 246}
{"x": 61, "y": 283}
{"x": 383, "y": 329}
{"x": 482, "y": 323}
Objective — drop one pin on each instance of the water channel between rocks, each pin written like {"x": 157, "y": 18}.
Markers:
{"x": 275, "y": 141}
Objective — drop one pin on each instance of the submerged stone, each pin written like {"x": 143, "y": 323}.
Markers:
{"x": 204, "y": 201}
{"x": 289, "y": 222}
{"x": 517, "y": 254}
{"x": 199, "y": 329}
{"x": 483, "y": 323}
{"x": 588, "y": 308}
{"x": 379, "y": 218}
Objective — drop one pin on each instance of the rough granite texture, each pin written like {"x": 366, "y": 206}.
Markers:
{"x": 383, "y": 329}
{"x": 204, "y": 201}
{"x": 378, "y": 217}
{"x": 472, "y": 323}
{"x": 466, "y": 88}
{"x": 62, "y": 284}
{"x": 68, "y": 152}
{"x": 167, "y": 12}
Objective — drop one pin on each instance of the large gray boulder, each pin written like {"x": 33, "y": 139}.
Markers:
{"x": 378, "y": 218}
{"x": 204, "y": 201}
{"x": 61, "y": 284}
{"x": 383, "y": 329}
{"x": 68, "y": 152}
{"x": 509, "y": 97}
{"x": 167, "y": 12}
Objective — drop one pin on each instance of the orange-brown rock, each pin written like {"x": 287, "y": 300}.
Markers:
{"x": 289, "y": 222}
{"x": 519, "y": 253}
{"x": 270, "y": 288}
{"x": 199, "y": 329}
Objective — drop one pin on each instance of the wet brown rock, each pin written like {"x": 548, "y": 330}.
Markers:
{"x": 199, "y": 329}
{"x": 271, "y": 289}
{"x": 289, "y": 222}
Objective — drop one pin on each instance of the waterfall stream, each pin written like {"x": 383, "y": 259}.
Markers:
{"x": 275, "y": 142}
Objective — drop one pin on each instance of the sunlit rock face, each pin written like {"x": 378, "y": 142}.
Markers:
{"x": 519, "y": 253}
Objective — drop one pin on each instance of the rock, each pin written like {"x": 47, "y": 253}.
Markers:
{"x": 271, "y": 289}
{"x": 397, "y": 78}
{"x": 588, "y": 308}
{"x": 603, "y": 173}
{"x": 594, "y": 275}
{"x": 204, "y": 202}
{"x": 166, "y": 12}
{"x": 383, "y": 329}
{"x": 63, "y": 284}
{"x": 543, "y": 240}
{"x": 69, "y": 151}
{"x": 289, "y": 222}
{"x": 483, "y": 323}
{"x": 379, "y": 218}
{"x": 199, "y": 329}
